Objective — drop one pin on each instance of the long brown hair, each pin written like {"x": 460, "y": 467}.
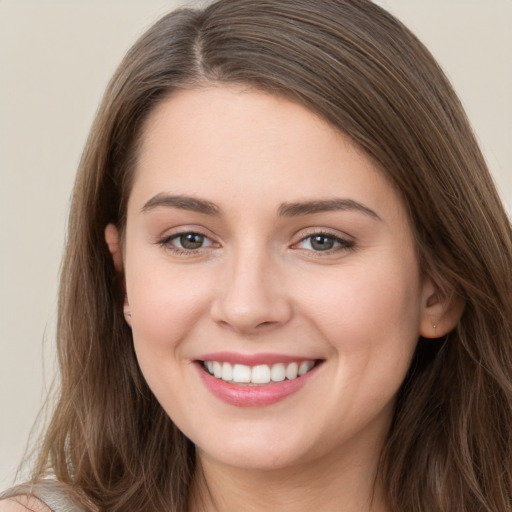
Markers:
{"x": 450, "y": 445}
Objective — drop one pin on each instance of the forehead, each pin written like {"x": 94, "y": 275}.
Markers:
{"x": 235, "y": 142}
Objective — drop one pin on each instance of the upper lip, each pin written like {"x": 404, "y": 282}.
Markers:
{"x": 253, "y": 359}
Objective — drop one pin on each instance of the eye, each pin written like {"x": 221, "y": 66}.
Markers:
{"x": 324, "y": 242}
{"x": 189, "y": 241}
{"x": 192, "y": 241}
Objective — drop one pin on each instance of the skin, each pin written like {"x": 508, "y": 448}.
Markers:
{"x": 257, "y": 284}
{"x": 23, "y": 504}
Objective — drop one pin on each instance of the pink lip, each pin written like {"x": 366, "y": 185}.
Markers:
{"x": 244, "y": 395}
{"x": 252, "y": 359}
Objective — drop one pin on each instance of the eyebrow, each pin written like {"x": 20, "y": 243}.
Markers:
{"x": 294, "y": 209}
{"x": 327, "y": 205}
{"x": 181, "y": 202}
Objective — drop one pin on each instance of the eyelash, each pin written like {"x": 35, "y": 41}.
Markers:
{"x": 342, "y": 244}
{"x": 167, "y": 243}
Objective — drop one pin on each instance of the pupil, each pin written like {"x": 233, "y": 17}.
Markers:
{"x": 191, "y": 241}
{"x": 322, "y": 243}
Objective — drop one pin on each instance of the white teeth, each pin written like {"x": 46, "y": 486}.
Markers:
{"x": 217, "y": 369}
{"x": 292, "y": 370}
{"x": 227, "y": 371}
{"x": 241, "y": 373}
{"x": 304, "y": 367}
{"x": 278, "y": 372}
{"x": 259, "y": 374}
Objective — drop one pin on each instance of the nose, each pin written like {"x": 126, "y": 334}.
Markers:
{"x": 252, "y": 295}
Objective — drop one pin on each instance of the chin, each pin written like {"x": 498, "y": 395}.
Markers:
{"x": 254, "y": 457}
{"x": 264, "y": 448}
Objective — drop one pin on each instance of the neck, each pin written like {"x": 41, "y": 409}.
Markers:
{"x": 343, "y": 484}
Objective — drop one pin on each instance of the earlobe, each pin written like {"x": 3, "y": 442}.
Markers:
{"x": 127, "y": 312}
{"x": 114, "y": 247}
{"x": 441, "y": 312}
{"x": 112, "y": 239}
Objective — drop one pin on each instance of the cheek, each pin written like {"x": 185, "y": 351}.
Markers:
{"x": 166, "y": 307}
{"x": 371, "y": 320}
{"x": 369, "y": 314}
{"x": 166, "y": 303}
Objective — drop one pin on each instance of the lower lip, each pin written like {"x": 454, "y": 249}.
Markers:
{"x": 244, "y": 395}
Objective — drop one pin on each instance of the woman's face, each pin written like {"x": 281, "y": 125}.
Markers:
{"x": 263, "y": 246}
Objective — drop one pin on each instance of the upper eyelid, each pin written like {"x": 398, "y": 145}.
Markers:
{"x": 183, "y": 230}
{"x": 312, "y": 231}
{"x": 344, "y": 242}
{"x": 299, "y": 236}
{"x": 172, "y": 236}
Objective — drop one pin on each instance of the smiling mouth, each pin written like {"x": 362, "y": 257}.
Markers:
{"x": 258, "y": 374}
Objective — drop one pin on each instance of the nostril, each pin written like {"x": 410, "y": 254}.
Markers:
{"x": 265, "y": 324}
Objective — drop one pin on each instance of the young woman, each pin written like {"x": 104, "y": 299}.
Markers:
{"x": 287, "y": 279}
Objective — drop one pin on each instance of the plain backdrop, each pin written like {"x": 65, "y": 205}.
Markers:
{"x": 56, "y": 58}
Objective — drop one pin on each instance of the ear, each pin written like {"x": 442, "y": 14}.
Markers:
{"x": 441, "y": 311}
{"x": 113, "y": 243}
{"x": 112, "y": 239}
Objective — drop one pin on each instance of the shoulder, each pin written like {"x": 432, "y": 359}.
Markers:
{"x": 23, "y": 504}
{"x": 43, "y": 496}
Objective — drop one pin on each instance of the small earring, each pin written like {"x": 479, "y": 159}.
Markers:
{"x": 128, "y": 314}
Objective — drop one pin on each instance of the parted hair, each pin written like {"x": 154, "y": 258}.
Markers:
{"x": 352, "y": 63}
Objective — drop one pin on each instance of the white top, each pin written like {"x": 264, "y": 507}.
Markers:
{"x": 50, "y": 492}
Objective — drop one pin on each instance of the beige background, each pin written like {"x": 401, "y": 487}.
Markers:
{"x": 55, "y": 60}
